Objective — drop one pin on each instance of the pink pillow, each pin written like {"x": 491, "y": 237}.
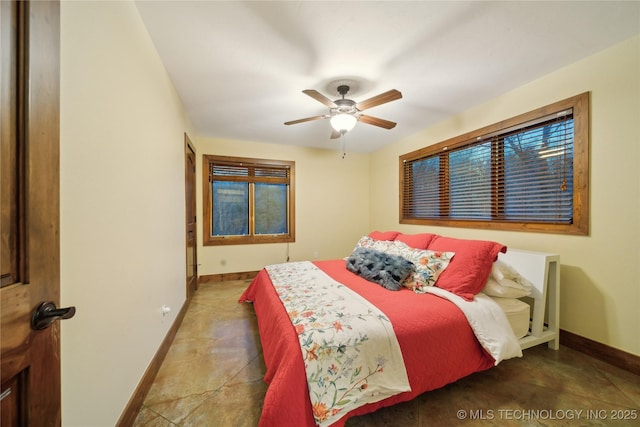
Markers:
{"x": 418, "y": 241}
{"x": 383, "y": 235}
{"x": 468, "y": 271}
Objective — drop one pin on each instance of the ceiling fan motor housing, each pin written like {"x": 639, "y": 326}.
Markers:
{"x": 345, "y": 106}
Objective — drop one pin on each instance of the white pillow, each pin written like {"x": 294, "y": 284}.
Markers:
{"x": 505, "y": 282}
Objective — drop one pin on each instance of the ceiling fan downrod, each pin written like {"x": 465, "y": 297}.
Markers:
{"x": 344, "y": 106}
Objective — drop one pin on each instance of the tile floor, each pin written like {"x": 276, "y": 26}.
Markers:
{"x": 212, "y": 376}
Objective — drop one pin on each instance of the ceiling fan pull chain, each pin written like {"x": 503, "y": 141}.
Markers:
{"x": 344, "y": 145}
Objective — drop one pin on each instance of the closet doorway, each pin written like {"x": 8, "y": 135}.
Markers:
{"x": 190, "y": 218}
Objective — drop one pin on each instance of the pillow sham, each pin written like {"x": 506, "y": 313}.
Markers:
{"x": 371, "y": 243}
{"x": 383, "y": 235}
{"x": 418, "y": 241}
{"x": 365, "y": 242}
{"x": 505, "y": 282}
{"x": 467, "y": 274}
{"x": 428, "y": 264}
{"x": 428, "y": 267}
{"x": 387, "y": 270}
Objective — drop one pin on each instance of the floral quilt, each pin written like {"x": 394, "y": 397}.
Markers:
{"x": 350, "y": 351}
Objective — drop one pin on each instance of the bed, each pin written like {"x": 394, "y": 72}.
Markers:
{"x": 438, "y": 341}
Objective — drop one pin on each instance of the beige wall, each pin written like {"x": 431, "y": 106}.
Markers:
{"x": 600, "y": 273}
{"x": 332, "y": 206}
{"x": 122, "y": 207}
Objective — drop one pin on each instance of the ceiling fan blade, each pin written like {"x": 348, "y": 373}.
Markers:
{"x": 383, "y": 98}
{"x": 370, "y": 120}
{"x": 335, "y": 134}
{"x": 320, "y": 97}
{"x": 307, "y": 119}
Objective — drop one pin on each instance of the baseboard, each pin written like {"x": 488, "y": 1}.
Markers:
{"x": 243, "y": 275}
{"x": 128, "y": 416}
{"x": 613, "y": 356}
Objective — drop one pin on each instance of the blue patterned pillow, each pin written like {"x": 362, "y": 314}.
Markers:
{"x": 378, "y": 267}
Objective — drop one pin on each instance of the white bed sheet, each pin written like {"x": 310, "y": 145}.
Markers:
{"x": 488, "y": 322}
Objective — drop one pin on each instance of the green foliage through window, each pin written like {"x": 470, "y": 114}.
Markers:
{"x": 248, "y": 200}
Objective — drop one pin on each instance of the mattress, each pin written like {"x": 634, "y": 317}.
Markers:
{"x": 517, "y": 313}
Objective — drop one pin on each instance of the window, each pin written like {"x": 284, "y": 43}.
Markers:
{"x": 528, "y": 173}
{"x": 248, "y": 201}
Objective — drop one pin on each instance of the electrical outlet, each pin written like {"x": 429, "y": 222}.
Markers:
{"x": 165, "y": 310}
{"x": 315, "y": 254}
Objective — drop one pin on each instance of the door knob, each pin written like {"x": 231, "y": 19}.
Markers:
{"x": 47, "y": 313}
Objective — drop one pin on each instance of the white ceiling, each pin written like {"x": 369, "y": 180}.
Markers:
{"x": 240, "y": 67}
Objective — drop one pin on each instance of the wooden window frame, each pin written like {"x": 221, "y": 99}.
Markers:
{"x": 211, "y": 240}
{"x": 580, "y": 220}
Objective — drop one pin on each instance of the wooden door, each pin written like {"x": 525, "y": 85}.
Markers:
{"x": 190, "y": 190}
{"x": 30, "y": 268}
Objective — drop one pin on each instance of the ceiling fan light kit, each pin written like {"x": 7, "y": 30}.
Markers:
{"x": 343, "y": 122}
{"x": 345, "y": 113}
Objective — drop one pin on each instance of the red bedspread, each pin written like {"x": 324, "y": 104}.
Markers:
{"x": 437, "y": 344}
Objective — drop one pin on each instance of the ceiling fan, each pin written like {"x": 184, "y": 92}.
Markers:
{"x": 345, "y": 113}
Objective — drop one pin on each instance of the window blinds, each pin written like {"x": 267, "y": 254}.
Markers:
{"x": 247, "y": 172}
{"x": 523, "y": 173}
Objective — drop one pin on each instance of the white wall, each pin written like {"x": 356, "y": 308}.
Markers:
{"x": 332, "y": 206}
{"x": 600, "y": 273}
{"x": 122, "y": 207}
